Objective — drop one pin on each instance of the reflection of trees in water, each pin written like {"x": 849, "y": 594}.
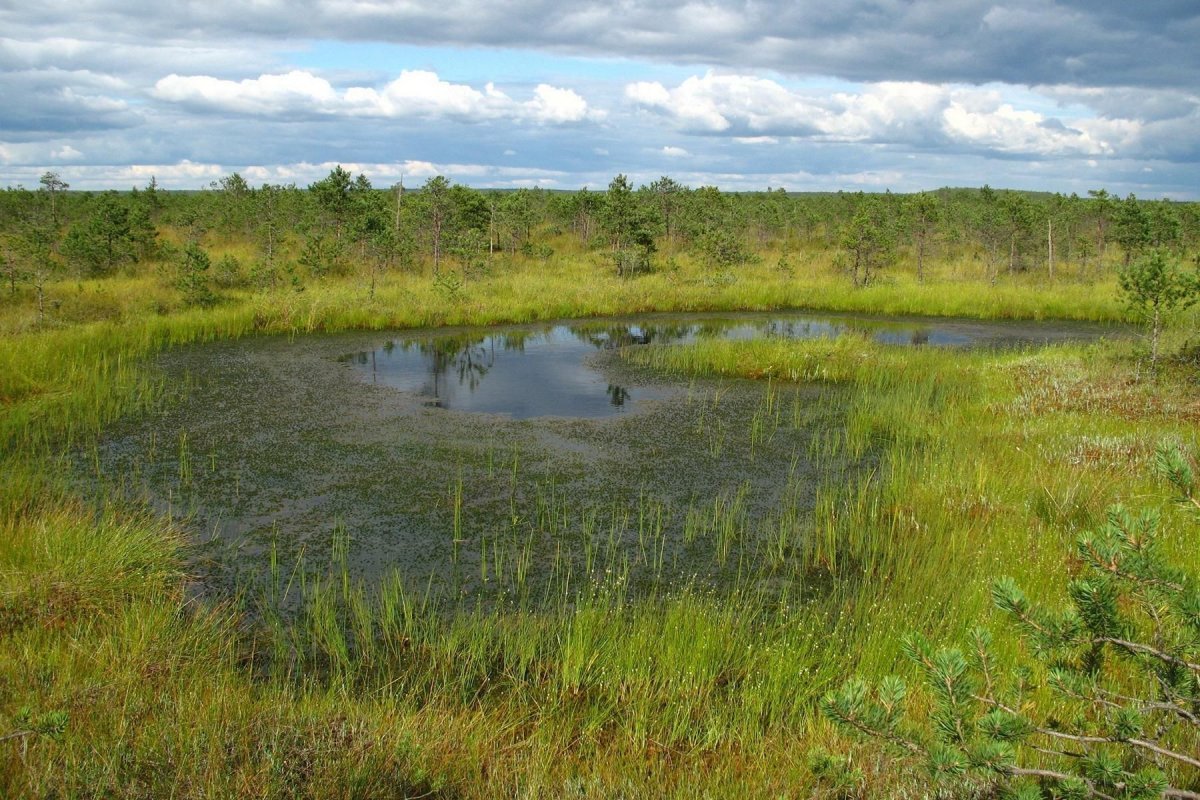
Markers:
{"x": 812, "y": 329}
{"x": 803, "y": 329}
{"x": 514, "y": 341}
{"x": 468, "y": 357}
{"x": 611, "y": 337}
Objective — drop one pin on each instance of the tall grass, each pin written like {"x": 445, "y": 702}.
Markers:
{"x": 981, "y": 477}
{"x": 991, "y": 462}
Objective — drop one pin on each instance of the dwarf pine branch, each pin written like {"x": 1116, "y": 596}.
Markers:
{"x": 1123, "y": 659}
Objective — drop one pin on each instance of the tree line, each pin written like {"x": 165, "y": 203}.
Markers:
{"x": 343, "y": 223}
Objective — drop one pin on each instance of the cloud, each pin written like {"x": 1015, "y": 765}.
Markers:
{"x": 933, "y": 41}
{"x": 554, "y": 105}
{"x": 674, "y": 152}
{"x": 749, "y": 106}
{"x": 268, "y": 94}
{"x": 182, "y": 175}
{"x": 1005, "y": 129}
{"x": 418, "y": 93}
{"x": 1148, "y": 105}
{"x": 795, "y": 165}
{"x": 1157, "y": 124}
{"x": 754, "y": 109}
{"x": 915, "y": 94}
{"x": 55, "y": 101}
{"x": 66, "y": 153}
{"x": 190, "y": 175}
{"x": 648, "y": 93}
{"x": 110, "y": 49}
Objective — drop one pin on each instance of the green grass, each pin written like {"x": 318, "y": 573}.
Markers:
{"x": 992, "y": 463}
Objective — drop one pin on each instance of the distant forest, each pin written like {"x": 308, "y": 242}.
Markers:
{"x": 343, "y": 224}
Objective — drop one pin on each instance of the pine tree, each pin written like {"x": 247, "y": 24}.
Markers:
{"x": 1122, "y": 660}
{"x": 104, "y": 241}
{"x": 193, "y": 276}
{"x": 1154, "y": 287}
{"x": 869, "y": 240}
{"x": 1131, "y": 228}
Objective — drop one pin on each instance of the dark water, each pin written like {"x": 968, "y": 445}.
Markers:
{"x": 520, "y": 374}
{"x": 501, "y": 464}
{"x": 525, "y": 372}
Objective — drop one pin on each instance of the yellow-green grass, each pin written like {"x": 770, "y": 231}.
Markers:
{"x": 992, "y": 462}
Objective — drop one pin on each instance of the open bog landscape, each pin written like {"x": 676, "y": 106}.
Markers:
{"x": 556, "y": 530}
{"x": 414, "y": 435}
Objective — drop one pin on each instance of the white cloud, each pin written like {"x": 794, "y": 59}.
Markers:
{"x": 185, "y": 173}
{"x": 969, "y": 41}
{"x": 35, "y": 152}
{"x": 1005, "y": 129}
{"x": 674, "y": 152}
{"x": 554, "y": 105}
{"x": 757, "y": 110}
{"x": 93, "y": 102}
{"x": 181, "y": 175}
{"x": 752, "y": 107}
{"x": 878, "y": 179}
{"x": 717, "y": 103}
{"x": 267, "y": 94}
{"x": 1024, "y": 100}
{"x": 190, "y": 175}
{"x": 901, "y": 109}
{"x": 105, "y": 54}
{"x": 830, "y": 174}
{"x": 648, "y": 93}
{"x": 66, "y": 153}
{"x": 414, "y": 172}
{"x": 414, "y": 93}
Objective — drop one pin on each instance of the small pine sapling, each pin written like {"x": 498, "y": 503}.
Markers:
{"x": 1155, "y": 286}
{"x": 1122, "y": 662}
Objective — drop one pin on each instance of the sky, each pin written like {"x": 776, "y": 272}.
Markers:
{"x": 910, "y": 95}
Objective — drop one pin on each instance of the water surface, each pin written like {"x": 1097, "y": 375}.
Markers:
{"x": 505, "y": 464}
{"x": 549, "y": 370}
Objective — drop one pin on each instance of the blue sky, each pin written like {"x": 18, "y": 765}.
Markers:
{"x": 467, "y": 64}
{"x": 863, "y": 94}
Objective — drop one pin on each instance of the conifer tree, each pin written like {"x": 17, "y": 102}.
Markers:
{"x": 1154, "y": 287}
{"x": 1122, "y": 661}
{"x": 192, "y": 281}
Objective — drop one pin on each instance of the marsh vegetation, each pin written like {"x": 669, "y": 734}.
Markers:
{"x": 256, "y": 539}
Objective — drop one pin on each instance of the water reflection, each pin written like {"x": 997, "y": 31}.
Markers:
{"x": 520, "y": 373}
{"x": 534, "y": 371}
